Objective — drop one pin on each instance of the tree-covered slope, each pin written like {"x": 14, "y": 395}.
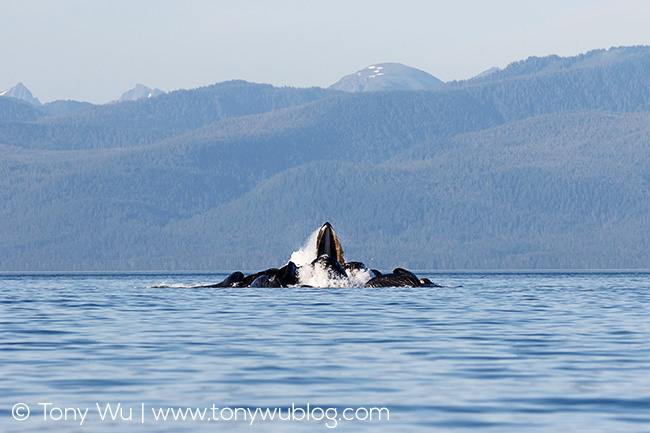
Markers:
{"x": 552, "y": 192}
{"x": 15, "y": 110}
{"x": 542, "y": 166}
{"x": 135, "y": 123}
{"x": 615, "y": 80}
{"x": 504, "y": 197}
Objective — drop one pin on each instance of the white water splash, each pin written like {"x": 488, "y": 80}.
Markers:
{"x": 358, "y": 277}
{"x": 306, "y": 254}
{"x": 318, "y": 276}
{"x": 172, "y": 286}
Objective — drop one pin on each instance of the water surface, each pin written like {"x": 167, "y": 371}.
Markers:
{"x": 506, "y": 352}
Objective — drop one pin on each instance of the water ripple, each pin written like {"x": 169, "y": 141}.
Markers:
{"x": 506, "y": 352}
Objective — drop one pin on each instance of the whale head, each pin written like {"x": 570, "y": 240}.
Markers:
{"x": 328, "y": 243}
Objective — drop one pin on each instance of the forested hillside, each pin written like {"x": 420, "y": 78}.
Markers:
{"x": 544, "y": 164}
{"x": 134, "y": 123}
{"x": 14, "y": 110}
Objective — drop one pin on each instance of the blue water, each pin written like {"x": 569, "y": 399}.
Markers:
{"x": 506, "y": 352}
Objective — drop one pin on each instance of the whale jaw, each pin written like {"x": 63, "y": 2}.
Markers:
{"x": 328, "y": 244}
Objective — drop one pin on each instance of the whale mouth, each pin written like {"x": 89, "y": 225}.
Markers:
{"x": 328, "y": 243}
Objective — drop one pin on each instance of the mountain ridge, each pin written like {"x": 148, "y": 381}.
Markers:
{"x": 140, "y": 91}
{"x": 386, "y": 77}
{"x": 19, "y": 91}
{"x": 554, "y": 63}
{"x": 149, "y": 120}
{"x": 542, "y": 170}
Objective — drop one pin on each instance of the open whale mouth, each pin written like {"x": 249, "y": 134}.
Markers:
{"x": 328, "y": 244}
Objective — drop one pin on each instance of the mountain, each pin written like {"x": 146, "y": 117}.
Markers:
{"x": 386, "y": 76}
{"x": 140, "y": 91}
{"x": 487, "y": 72}
{"x": 61, "y": 107}
{"x": 19, "y": 91}
{"x": 543, "y": 164}
{"x": 508, "y": 197}
{"x": 147, "y": 121}
{"x": 54, "y": 108}
{"x": 17, "y": 110}
{"x": 628, "y": 58}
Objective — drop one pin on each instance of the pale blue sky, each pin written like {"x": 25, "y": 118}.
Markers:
{"x": 95, "y": 50}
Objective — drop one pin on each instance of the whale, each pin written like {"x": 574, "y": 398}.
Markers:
{"x": 327, "y": 243}
{"x": 329, "y": 260}
{"x": 232, "y": 280}
{"x": 398, "y": 278}
{"x": 287, "y": 275}
{"x": 332, "y": 266}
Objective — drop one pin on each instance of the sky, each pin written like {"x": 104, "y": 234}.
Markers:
{"x": 96, "y": 50}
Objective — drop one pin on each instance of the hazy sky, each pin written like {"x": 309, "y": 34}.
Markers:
{"x": 94, "y": 50}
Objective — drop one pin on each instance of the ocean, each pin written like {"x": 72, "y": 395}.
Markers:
{"x": 488, "y": 352}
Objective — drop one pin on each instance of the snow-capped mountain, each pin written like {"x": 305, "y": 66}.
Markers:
{"x": 140, "y": 91}
{"x": 19, "y": 91}
{"x": 386, "y": 76}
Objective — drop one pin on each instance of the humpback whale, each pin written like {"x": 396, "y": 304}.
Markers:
{"x": 232, "y": 280}
{"x": 328, "y": 244}
{"x": 327, "y": 269}
{"x": 399, "y": 278}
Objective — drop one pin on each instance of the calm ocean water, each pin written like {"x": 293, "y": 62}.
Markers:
{"x": 506, "y": 352}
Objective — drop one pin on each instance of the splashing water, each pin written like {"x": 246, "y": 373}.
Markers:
{"x": 318, "y": 276}
{"x": 307, "y": 254}
{"x": 358, "y": 277}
